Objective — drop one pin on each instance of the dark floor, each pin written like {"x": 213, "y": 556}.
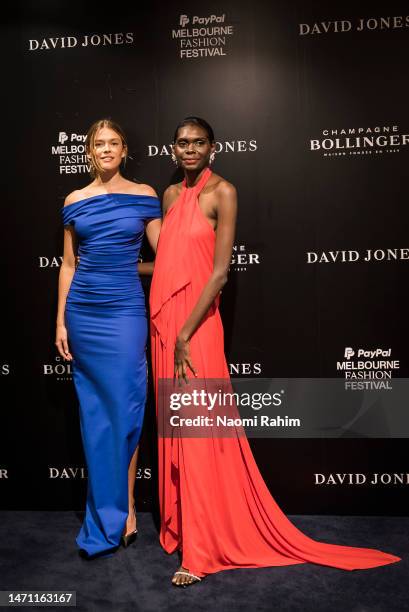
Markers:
{"x": 38, "y": 552}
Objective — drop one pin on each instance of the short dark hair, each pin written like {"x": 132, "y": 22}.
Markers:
{"x": 195, "y": 121}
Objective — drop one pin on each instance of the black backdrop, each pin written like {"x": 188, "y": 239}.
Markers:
{"x": 291, "y": 91}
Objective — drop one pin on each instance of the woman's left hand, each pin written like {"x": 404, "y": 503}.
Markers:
{"x": 183, "y": 360}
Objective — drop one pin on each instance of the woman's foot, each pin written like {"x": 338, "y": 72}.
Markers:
{"x": 184, "y": 578}
{"x": 130, "y": 530}
{"x": 130, "y": 525}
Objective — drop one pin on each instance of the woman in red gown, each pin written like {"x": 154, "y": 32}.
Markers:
{"x": 215, "y": 506}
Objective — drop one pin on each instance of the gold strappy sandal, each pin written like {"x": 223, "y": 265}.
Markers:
{"x": 186, "y": 573}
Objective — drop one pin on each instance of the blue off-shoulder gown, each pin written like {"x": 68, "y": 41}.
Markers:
{"x": 105, "y": 317}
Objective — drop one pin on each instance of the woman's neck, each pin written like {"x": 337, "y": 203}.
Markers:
{"x": 194, "y": 176}
{"x": 109, "y": 180}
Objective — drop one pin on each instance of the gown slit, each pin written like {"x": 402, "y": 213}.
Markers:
{"x": 105, "y": 316}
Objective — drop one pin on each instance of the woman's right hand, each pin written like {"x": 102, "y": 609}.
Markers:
{"x": 61, "y": 342}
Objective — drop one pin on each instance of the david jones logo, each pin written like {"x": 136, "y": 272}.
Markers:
{"x": 352, "y": 256}
{"x": 385, "y": 478}
{"x": 244, "y": 369}
{"x": 227, "y": 146}
{"x": 87, "y": 40}
{"x": 80, "y": 473}
{"x": 49, "y": 262}
{"x": 346, "y": 25}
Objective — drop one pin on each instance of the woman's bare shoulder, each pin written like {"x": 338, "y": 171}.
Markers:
{"x": 224, "y": 188}
{"x": 170, "y": 195}
{"x": 76, "y": 196}
{"x": 172, "y": 190}
{"x": 141, "y": 189}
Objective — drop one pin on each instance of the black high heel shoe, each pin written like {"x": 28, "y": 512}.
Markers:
{"x": 129, "y": 538}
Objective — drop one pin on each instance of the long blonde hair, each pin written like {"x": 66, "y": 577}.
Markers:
{"x": 95, "y": 167}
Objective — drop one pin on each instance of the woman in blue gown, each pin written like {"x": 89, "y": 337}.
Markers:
{"x": 102, "y": 329}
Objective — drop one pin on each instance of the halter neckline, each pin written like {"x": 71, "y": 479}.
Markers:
{"x": 207, "y": 173}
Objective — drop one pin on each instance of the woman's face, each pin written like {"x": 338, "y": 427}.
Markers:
{"x": 108, "y": 149}
{"x": 192, "y": 148}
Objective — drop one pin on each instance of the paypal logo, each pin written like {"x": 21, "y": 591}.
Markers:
{"x": 183, "y": 20}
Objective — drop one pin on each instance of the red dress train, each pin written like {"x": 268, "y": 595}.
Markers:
{"x": 214, "y": 503}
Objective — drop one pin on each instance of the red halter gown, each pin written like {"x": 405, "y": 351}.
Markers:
{"x": 214, "y": 503}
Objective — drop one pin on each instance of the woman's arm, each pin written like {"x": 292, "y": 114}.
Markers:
{"x": 67, "y": 270}
{"x": 152, "y": 230}
{"x": 145, "y": 268}
{"x": 226, "y": 224}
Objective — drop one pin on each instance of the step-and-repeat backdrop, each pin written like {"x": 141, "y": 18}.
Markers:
{"x": 309, "y": 105}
